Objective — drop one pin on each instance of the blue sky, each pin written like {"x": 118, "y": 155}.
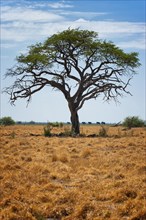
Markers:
{"x": 26, "y": 22}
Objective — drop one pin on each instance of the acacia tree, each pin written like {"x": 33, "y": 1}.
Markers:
{"x": 77, "y": 63}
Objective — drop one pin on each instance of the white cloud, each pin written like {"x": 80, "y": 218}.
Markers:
{"x": 81, "y": 14}
{"x": 5, "y": 9}
{"x": 61, "y": 4}
{"x": 30, "y": 24}
{"x": 10, "y": 14}
{"x": 136, "y": 44}
{"x": 17, "y": 34}
{"x": 111, "y": 27}
{"x": 24, "y": 31}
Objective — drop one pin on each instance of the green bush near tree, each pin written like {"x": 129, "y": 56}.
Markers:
{"x": 134, "y": 121}
{"x": 56, "y": 124}
{"x": 7, "y": 121}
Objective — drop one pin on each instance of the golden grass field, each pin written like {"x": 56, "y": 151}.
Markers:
{"x": 69, "y": 178}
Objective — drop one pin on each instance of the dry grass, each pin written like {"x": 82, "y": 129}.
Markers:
{"x": 72, "y": 178}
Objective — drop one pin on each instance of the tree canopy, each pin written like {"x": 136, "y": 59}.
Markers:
{"x": 77, "y": 63}
{"x": 7, "y": 120}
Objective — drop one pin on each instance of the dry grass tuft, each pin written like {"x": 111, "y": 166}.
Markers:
{"x": 63, "y": 157}
{"x": 86, "y": 152}
{"x": 140, "y": 215}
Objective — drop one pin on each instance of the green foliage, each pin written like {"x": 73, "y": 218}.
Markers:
{"x": 50, "y": 126}
{"x": 85, "y": 43}
{"x": 134, "y": 121}
{"x": 35, "y": 58}
{"x": 7, "y": 121}
{"x": 56, "y": 124}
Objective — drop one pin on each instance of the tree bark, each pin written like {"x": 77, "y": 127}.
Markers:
{"x": 75, "y": 123}
{"x": 74, "y": 119}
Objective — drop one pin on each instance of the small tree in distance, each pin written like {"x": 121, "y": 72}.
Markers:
{"x": 133, "y": 121}
{"x": 7, "y": 121}
{"x": 78, "y": 64}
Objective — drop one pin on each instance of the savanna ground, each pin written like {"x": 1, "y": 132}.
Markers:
{"x": 70, "y": 178}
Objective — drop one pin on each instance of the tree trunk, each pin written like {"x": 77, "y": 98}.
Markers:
{"x": 74, "y": 118}
{"x": 75, "y": 123}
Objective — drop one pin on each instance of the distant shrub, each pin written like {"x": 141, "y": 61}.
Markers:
{"x": 103, "y": 132}
{"x": 7, "y": 121}
{"x": 47, "y": 130}
{"x": 134, "y": 121}
{"x": 67, "y": 132}
{"x": 56, "y": 124}
{"x": 31, "y": 122}
{"x": 50, "y": 126}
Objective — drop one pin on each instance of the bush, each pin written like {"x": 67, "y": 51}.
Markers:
{"x": 50, "y": 126}
{"x": 134, "y": 121}
{"x": 56, "y": 124}
{"x": 103, "y": 132}
{"x": 7, "y": 121}
{"x": 47, "y": 130}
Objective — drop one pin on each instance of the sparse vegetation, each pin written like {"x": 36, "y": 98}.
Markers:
{"x": 56, "y": 124}
{"x": 103, "y": 131}
{"x": 50, "y": 125}
{"x": 134, "y": 121}
{"x": 47, "y": 130}
{"x": 72, "y": 178}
